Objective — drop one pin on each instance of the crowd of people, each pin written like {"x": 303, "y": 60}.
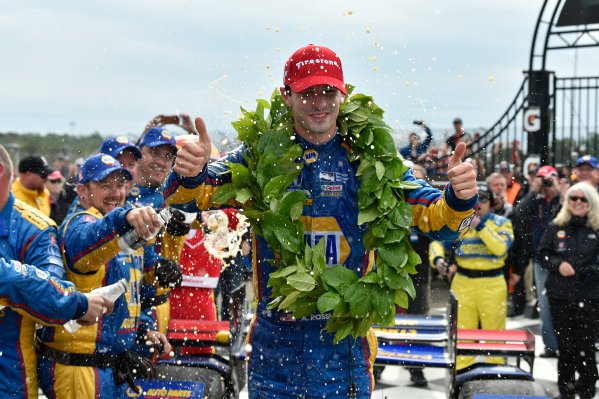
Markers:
{"x": 77, "y": 227}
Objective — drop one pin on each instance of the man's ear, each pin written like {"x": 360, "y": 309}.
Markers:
{"x": 342, "y": 99}
{"x": 82, "y": 191}
{"x": 286, "y": 96}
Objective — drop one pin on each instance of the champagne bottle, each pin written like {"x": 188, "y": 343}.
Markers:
{"x": 112, "y": 292}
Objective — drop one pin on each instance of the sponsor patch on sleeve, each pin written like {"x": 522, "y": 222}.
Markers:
{"x": 466, "y": 222}
{"x": 89, "y": 219}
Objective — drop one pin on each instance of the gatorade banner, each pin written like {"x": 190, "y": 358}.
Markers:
{"x": 166, "y": 390}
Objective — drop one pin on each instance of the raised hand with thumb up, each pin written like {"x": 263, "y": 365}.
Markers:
{"x": 461, "y": 174}
{"x": 193, "y": 155}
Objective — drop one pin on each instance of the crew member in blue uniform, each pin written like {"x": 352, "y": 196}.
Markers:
{"x": 29, "y": 236}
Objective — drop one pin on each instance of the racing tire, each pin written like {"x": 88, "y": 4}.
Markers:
{"x": 214, "y": 384}
{"x": 500, "y": 387}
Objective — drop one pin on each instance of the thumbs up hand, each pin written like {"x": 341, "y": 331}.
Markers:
{"x": 193, "y": 155}
{"x": 461, "y": 174}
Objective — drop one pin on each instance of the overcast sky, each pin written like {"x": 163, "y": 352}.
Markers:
{"x": 110, "y": 66}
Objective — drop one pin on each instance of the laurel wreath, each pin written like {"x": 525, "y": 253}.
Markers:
{"x": 302, "y": 284}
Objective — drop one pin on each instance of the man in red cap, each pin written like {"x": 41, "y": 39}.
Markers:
{"x": 297, "y": 358}
{"x": 532, "y": 216}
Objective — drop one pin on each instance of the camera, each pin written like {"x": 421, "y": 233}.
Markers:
{"x": 547, "y": 183}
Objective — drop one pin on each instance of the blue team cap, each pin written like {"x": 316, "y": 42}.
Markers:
{"x": 158, "y": 136}
{"x": 114, "y": 146}
{"x": 98, "y": 167}
{"x": 588, "y": 160}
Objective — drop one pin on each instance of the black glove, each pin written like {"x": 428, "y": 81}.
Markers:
{"x": 168, "y": 273}
{"x": 131, "y": 365}
{"x": 176, "y": 226}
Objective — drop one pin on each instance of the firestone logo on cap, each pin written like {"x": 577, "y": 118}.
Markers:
{"x": 311, "y": 66}
{"x": 108, "y": 160}
{"x": 166, "y": 134}
{"x": 122, "y": 139}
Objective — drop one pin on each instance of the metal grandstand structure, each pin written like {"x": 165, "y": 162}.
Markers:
{"x": 552, "y": 119}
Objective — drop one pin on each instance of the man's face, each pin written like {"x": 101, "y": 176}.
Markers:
{"x": 315, "y": 112}
{"x": 128, "y": 160}
{"x": 107, "y": 194}
{"x": 585, "y": 173}
{"x": 414, "y": 139}
{"x": 498, "y": 186}
{"x": 484, "y": 204}
{"x": 154, "y": 165}
{"x": 457, "y": 126}
{"x": 550, "y": 191}
{"x": 33, "y": 181}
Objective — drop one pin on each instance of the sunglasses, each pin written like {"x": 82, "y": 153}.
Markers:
{"x": 54, "y": 181}
{"x": 574, "y": 198}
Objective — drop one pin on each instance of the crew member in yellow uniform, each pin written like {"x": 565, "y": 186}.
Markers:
{"x": 479, "y": 282}
{"x": 30, "y": 187}
{"x": 94, "y": 362}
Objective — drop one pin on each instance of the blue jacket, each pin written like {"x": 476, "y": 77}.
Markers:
{"x": 406, "y": 151}
{"x": 27, "y": 236}
{"x": 93, "y": 259}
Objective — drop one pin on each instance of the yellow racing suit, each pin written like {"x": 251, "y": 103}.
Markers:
{"x": 479, "y": 283}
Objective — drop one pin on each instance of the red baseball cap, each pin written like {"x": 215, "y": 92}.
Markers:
{"x": 546, "y": 171}
{"x": 313, "y": 65}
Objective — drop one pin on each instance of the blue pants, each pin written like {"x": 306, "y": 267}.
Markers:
{"x": 547, "y": 331}
{"x": 299, "y": 360}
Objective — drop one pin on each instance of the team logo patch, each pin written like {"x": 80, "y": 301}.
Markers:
{"x": 135, "y": 191}
{"x": 122, "y": 140}
{"x": 167, "y": 135}
{"x": 466, "y": 222}
{"x": 561, "y": 234}
{"x": 89, "y": 219}
{"x": 18, "y": 266}
{"x": 41, "y": 274}
{"x": 310, "y": 156}
{"x": 108, "y": 160}
{"x": 327, "y": 176}
{"x": 331, "y": 190}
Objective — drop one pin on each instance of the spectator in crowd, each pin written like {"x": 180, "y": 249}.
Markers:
{"x": 479, "y": 282}
{"x": 416, "y": 149}
{"x": 456, "y": 137}
{"x": 27, "y": 235}
{"x": 62, "y": 163}
{"x": 514, "y": 191}
{"x": 568, "y": 251}
{"x": 297, "y": 357}
{"x": 54, "y": 185}
{"x": 74, "y": 169}
{"x": 30, "y": 187}
{"x": 96, "y": 361}
{"x": 499, "y": 204}
{"x": 478, "y": 165}
{"x": 532, "y": 217}
{"x": 586, "y": 170}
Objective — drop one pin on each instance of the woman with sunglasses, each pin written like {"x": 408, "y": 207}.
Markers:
{"x": 569, "y": 249}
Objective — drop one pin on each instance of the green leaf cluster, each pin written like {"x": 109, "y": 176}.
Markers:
{"x": 302, "y": 284}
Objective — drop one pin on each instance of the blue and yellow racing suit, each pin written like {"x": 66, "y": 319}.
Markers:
{"x": 297, "y": 358}
{"x": 479, "y": 283}
{"x": 155, "y": 303}
{"x": 93, "y": 259}
{"x": 28, "y": 236}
